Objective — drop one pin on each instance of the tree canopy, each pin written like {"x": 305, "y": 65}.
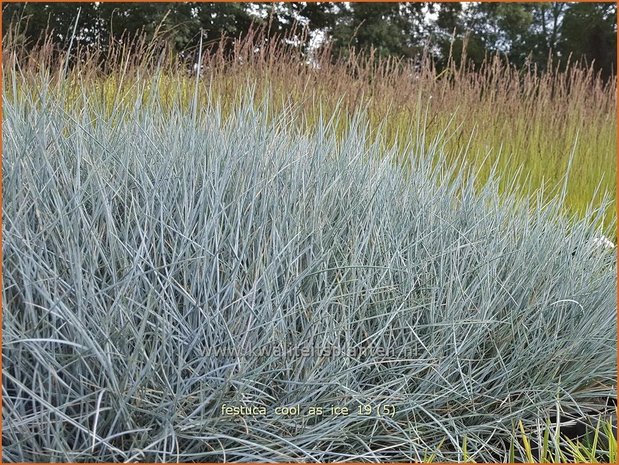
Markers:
{"x": 526, "y": 33}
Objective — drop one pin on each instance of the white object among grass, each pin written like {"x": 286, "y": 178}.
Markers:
{"x": 603, "y": 242}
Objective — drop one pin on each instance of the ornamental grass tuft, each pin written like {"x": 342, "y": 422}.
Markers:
{"x": 159, "y": 266}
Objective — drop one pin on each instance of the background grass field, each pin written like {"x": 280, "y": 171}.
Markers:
{"x": 152, "y": 214}
{"x": 529, "y": 124}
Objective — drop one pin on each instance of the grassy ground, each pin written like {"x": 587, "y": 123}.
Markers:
{"x": 529, "y": 124}
{"x": 148, "y": 212}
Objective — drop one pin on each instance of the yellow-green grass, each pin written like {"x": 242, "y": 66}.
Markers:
{"x": 599, "y": 446}
{"x": 527, "y": 123}
{"x": 477, "y": 111}
{"x": 554, "y": 447}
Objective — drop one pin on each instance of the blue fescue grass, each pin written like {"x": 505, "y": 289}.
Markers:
{"x": 137, "y": 246}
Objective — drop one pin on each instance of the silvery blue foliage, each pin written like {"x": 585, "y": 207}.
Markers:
{"x": 148, "y": 262}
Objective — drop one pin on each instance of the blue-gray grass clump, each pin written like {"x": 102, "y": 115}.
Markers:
{"x": 160, "y": 267}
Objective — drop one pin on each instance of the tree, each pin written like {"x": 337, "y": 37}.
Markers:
{"x": 589, "y": 33}
{"x": 105, "y": 21}
{"x": 58, "y": 19}
{"x": 544, "y": 34}
{"x": 523, "y": 32}
{"x": 392, "y": 29}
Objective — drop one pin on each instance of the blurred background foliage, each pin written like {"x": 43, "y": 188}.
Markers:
{"x": 527, "y": 34}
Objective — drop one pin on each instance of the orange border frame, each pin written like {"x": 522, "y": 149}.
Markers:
{"x": 263, "y": 1}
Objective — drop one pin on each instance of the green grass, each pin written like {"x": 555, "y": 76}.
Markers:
{"x": 528, "y": 123}
{"x": 152, "y": 219}
{"x": 135, "y": 246}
